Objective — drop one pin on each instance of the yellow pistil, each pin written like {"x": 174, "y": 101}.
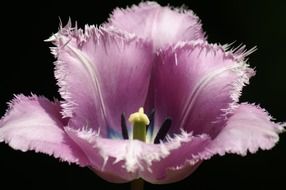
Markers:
{"x": 139, "y": 121}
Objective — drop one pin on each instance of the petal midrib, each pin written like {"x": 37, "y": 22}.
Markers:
{"x": 197, "y": 90}
{"x": 91, "y": 70}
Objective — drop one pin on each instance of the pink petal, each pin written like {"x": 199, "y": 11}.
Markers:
{"x": 248, "y": 129}
{"x": 163, "y": 25}
{"x": 120, "y": 161}
{"x": 35, "y": 123}
{"x": 101, "y": 75}
{"x": 180, "y": 161}
{"x": 196, "y": 83}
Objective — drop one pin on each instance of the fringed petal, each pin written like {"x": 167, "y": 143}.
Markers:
{"x": 196, "y": 85}
{"x": 35, "y": 123}
{"x": 101, "y": 75}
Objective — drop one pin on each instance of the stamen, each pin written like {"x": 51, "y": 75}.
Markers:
{"x": 163, "y": 131}
{"x": 150, "y": 127}
{"x": 139, "y": 121}
{"x": 124, "y": 127}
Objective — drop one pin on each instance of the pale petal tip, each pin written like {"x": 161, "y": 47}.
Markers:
{"x": 186, "y": 26}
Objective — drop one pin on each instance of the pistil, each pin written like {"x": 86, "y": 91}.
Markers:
{"x": 139, "y": 121}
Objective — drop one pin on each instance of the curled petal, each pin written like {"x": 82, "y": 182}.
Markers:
{"x": 248, "y": 129}
{"x": 163, "y": 25}
{"x": 125, "y": 160}
{"x": 203, "y": 82}
{"x": 101, "y": 74}
{"x": 35, "y": 123}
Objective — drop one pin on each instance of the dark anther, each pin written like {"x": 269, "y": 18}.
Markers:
{"x": 124, "y": 127}
{"x": 151, "y": 124}
{"x": 163, "y": 130}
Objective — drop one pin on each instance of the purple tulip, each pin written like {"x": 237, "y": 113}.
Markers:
{"x": 150, "y": 57}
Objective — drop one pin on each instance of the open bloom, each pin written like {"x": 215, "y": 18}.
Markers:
{"x": 146, "y": 56}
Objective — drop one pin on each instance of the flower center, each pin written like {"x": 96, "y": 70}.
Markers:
{"x": 143, "y": 127}
{"x": 139, "y": 120}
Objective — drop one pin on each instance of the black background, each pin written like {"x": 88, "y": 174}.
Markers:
{"x": 27, "y": 66}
